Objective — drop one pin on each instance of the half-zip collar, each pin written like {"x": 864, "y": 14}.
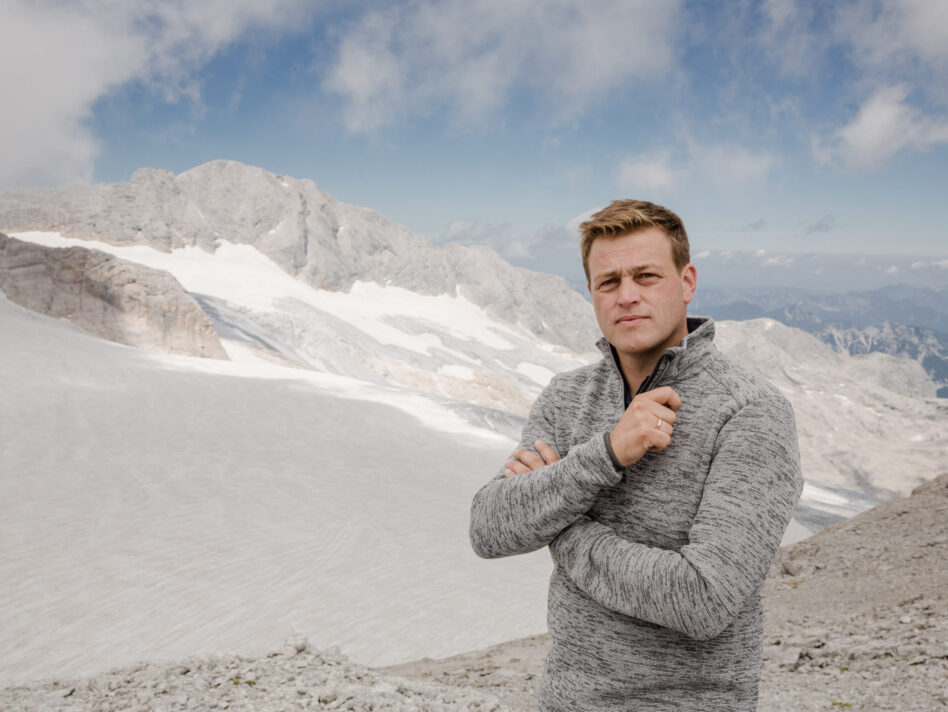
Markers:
{"x": 675, "y": 362}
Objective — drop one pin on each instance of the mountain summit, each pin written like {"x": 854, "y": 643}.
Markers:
{"x": 311, "y": 235}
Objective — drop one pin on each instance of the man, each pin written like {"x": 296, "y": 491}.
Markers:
{"x": 662, "y": 478}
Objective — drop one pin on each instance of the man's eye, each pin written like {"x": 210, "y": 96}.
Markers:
{"x": 648, "y": 275}
{"x": 608, "y": 282}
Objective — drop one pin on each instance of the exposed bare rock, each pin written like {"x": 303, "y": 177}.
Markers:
{"x": 293, "y": 678}
{"x": 868, "y": 423}
{"x": 116, "y": 300}
{"x": 858, "y": 613}
{"x": 310, "y": 234}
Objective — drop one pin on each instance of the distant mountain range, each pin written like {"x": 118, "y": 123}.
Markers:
{"x": 904, "y": 321}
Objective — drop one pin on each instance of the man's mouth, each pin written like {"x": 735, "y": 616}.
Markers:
{"x": 631, "y": 319}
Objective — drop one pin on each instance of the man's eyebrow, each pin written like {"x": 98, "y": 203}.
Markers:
{"x": 634, "y": 269}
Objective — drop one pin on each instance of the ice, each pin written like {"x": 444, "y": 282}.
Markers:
{"x": 155, "y": 507}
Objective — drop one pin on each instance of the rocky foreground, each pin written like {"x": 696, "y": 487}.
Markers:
{"x": 857, "y": 618}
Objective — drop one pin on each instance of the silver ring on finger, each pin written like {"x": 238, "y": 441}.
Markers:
{"x": 659, "y": 424}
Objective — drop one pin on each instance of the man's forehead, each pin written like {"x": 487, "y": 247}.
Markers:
{"x": 645, "y": 248}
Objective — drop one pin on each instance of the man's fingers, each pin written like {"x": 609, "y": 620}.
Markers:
{"x": 529, "y": 458}
{"x": 526, "y": 460}
{"x": 515, "y": 467}
{"x": 546, "y": 452}
{"x": 651, "y": 409}
{"x": 659, "y": 440}
{"x": 666, "y": 395}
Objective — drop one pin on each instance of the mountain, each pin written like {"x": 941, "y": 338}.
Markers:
{"x": 866, "y": 423}
{"x": 117, "y": 300}
{"x": 925, "y": 346}
{"x": 311, "y": 235}
{"x": 904, "y": 321}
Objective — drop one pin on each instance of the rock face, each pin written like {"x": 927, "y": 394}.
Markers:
{"x": 857, "y": 615}
{"x": 310, "y": 234}
{"x": 111, "y": 298}
{"x": 866, "y": 423}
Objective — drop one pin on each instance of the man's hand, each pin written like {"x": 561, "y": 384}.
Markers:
{"x": 645, "y": 425}
{"x": 526, "y": 460}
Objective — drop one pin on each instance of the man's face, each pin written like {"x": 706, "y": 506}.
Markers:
{"x": 639, "y": 297}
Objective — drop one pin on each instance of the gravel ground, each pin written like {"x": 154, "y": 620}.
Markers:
{"x": 857, "y": 618}
{"x": 295, "y": 678}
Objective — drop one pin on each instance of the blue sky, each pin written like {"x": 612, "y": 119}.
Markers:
{"x": 776, "y": 128}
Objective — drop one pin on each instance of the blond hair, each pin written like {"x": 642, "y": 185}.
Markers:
{"x": 623, "y": 217}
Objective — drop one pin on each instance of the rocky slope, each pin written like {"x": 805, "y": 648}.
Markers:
{"x": 310, "y": 234}
{"x": 858, "y": 613}
{"x": 927, "y": 347}
{"x": 116, "y": 300}
{"x": 866, "y": 423}
{"x": 904, "y": 321}
{"x": 293, "y": 678}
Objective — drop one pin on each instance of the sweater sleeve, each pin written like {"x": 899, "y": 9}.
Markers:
{"x": 522, "y": 513}
{"x": 748, "y": 499}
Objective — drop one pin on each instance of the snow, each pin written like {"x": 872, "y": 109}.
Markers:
{"x": 155, "y": 507}
{"x": 465, "y": 374}
{"x": 539, "y": 374}
{"x": 243, "y": 276}
{"x": 373, "y": 332}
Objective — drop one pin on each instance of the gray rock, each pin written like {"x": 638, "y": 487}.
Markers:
{"x": 310, "y": 234}
{"x": 111, "y": 298}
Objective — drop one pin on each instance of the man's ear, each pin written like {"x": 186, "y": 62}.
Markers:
{"x": 689, "y": 282}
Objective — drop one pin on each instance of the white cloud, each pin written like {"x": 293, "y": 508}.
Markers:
{"x": 471, "y": 59}
{"x": 760, "y": 253}
{"x": 704, "y": 254}
{"x": 895, "y": 35}
{"x": 885, "y": 125}
{"x": 893, "y": 269}
{"x": 901, "y": 48}
{"x": 788, "y": 37}
{"x": 779, "y": 261}
{"x": 940, "y": 264}
{"x": 545, "y": 249}
{"x": 725, "y": 165}
{"x": 731, "y": 165}
{"x": 649, "y": 172}
{"x": 57, "y": 59}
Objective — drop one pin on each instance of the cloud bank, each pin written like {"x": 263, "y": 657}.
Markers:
{"x": 57, "y": 59}
{"x": 473, "y": 59}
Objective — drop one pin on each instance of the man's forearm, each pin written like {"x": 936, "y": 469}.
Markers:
{"x": 519, "y": 514}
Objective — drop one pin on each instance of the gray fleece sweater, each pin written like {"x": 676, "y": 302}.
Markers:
{"x": 654, "y": 601}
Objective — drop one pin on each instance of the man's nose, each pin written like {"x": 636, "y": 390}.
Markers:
{"x": 628, "y": 291}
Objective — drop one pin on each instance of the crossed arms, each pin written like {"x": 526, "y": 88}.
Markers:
{"x": 749, "y": 495}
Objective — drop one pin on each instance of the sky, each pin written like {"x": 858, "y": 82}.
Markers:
{"x": 776, "y": 129}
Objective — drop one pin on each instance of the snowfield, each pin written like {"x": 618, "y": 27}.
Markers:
{"x": 154, "y": 507}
